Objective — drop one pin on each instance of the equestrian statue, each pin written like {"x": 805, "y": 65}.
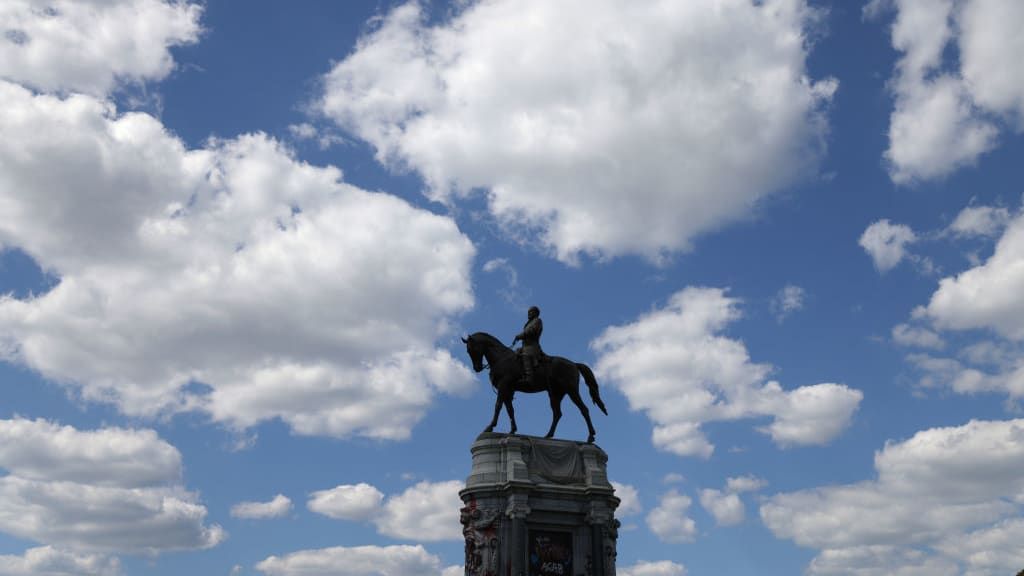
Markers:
{"x": 530, "y": 370}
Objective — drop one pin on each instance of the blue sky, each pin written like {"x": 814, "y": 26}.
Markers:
{"x": 238, "y": 249}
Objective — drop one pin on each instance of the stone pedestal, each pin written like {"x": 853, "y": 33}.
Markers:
{"x": 538, "y": 507}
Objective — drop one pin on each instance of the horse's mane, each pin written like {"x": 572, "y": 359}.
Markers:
{"x": 488, "y": 337}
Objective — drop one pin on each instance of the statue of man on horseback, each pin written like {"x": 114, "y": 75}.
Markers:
{"x": 514, "y": 371}
{"x": 530, "y": 353}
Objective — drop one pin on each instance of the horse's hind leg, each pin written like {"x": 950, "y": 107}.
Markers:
{"x": 556, "y": 412}
{"x": 574, "y": 395}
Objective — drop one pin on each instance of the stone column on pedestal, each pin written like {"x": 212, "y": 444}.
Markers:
{"x": 538, "y": 507}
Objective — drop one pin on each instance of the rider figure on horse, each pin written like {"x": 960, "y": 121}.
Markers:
{"x": 530, "y": 353}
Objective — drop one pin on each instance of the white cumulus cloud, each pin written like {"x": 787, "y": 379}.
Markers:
{"x": 726, "y": 507}
{"x": 645, "y": 568}
{"x": 994, "y": 549}
{"x": 669, "y": 522}
{"x": 988, "y": 295}
{"x": 424, "y": 512}
{"x": 967, "y": 375}
{"x": 986, "y": 221}
{"x": 946, "y": 115}
{"x": 63, "y": 45}
{"x": 880, "y": 560}
{"x": 278, "y": 506}
{"x": 916, "y": 336}
{"x": 630, "y": 500}
{"x": 283, "y": 291}
{"x": 647, "y": 126}
{"x": 118, "y": 491}
{"x": 983, "y": 304}
{"x": 103, "y": 518}
{"x": 347, "y": 501}
{"x": 675, "y": 364}
{"x": 49, "y": 561}
{"x": 886, "y": 243}
{"x": 129, "y": 458}
{"x": 354, "y": 561}
{"x": 939, "y": 498}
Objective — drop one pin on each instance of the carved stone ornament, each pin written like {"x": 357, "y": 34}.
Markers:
{"x": 611, "y": 536}
{"x": 480, "y": 527}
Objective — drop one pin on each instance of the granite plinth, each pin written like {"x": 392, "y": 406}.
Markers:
{"x": 538, "y": 507}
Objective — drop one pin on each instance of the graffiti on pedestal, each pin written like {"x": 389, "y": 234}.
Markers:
{"x": 480, "y": 527}
{"x": 550, "y": 553}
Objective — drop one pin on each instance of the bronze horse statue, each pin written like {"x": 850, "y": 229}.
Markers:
{"x": 558, "y": 376}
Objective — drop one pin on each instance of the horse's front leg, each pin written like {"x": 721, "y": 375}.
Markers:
{"x": 511, "y": 412}
{"x": 494, "y": 421}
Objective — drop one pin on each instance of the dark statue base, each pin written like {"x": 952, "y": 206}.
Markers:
{"x": 538, "y": 507}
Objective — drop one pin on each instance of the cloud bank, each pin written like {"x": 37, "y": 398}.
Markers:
{"x": 947, "y": 114}
{"x": 674, "y": 364}
{"x": 424, "y": 512}
{"x": 647, "y": 126}
{"x": 232, "y": 279}
{"x": 111, "y": 490}
{"x": 48, "y": 561}
{"x": 54, "y": 46}
{"x": 946, "y": 501}
{"x": 355, "y": 561}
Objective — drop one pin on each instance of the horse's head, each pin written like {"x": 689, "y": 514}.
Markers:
{"x": 476, "y": 353}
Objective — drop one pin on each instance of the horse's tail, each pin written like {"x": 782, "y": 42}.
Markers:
{"x": 595, "y": 394}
